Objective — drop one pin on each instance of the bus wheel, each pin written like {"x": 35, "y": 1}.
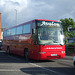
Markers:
{"x": 26, "y": 54}
{"x": 8, "y": 50}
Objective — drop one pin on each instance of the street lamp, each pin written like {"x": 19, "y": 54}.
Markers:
{"x": 16, "y": 16}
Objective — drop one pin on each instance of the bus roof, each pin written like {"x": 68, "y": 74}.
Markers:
{"x": 33, "y": 20}
{"x": 47, "y": 20}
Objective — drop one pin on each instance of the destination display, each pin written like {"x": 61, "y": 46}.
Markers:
{"x": 48, "y": 23}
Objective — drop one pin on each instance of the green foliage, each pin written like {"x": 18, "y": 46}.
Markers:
{"x": 71, "y": 34}
{"x": 66, "y": 24}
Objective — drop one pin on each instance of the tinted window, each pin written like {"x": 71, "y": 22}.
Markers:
{"x": 19, "y": 30}
{"x": 26, "y": 28}
{"x": 13, "y": 31}
{"x": 5, "y": 33}
{"x": 34, "y": 25}
{"x": 8, "y": 32}
{"x": 34, "y": 33}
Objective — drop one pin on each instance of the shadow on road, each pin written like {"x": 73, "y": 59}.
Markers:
{"x": 36, "y": 69}
{"x": 6, "y": 58}
{"x": 48, "y": 71}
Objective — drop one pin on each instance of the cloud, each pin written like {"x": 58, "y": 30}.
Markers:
{"x": 35, "y": 9}
{"x": 13, "y": 4}
{"x": 8, "y": 10}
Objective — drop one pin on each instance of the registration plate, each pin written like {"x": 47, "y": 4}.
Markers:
{"x": 53, "y": 54}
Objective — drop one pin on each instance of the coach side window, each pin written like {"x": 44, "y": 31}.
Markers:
{"x": 26, "y": 28}
{"x": 8, "y": 32}
{"x": 13, "y": 31}
{"x": 19, "y": 30}
{"x": 5, "y": 33}
{"x": 34, "y": 33}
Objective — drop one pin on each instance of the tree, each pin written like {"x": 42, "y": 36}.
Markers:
{"x": 66, "y": 24}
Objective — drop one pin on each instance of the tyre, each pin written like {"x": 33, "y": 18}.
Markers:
{"x": 26, "y": 54}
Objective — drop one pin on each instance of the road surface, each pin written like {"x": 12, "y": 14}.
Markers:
{"x": 17, "y": 65}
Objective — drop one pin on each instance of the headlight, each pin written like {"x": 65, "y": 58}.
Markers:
{"x": 62, "y": 51}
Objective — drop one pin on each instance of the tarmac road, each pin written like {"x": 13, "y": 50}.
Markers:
{"x": 17, "y": 65}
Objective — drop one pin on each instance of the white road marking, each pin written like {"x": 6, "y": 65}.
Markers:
{"x": 58, "y": 73}
{"x": 44, "y": 69}
{"x": 11, "y": 70}
{"x": 5, "y": 70}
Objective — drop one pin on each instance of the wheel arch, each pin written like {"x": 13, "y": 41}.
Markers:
{"x": 25, "y": 49}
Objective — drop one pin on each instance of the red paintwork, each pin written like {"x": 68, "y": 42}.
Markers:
{"x": 47, "y": 20}
{"x": 50, "y": 49}
{"x": 18, "y": 43}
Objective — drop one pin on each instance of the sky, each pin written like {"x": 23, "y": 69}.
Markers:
{"x": 35, "y": 9}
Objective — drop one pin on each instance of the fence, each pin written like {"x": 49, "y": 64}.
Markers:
{"x": 70, "y": 49}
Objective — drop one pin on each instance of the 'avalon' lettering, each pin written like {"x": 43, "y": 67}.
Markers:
{"x": 49, "y": 24}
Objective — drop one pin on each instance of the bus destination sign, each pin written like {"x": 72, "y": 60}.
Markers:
{"x": 49, "y": 24}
